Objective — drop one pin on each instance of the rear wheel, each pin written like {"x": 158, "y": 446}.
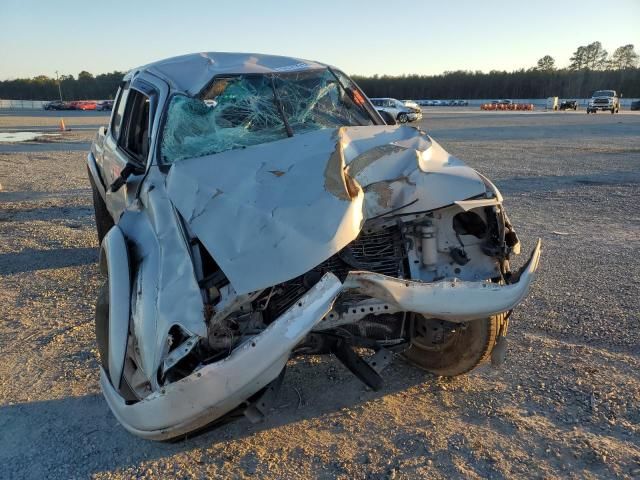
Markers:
{"x": 104, "y": 222}
{"x": 450, "y": 350}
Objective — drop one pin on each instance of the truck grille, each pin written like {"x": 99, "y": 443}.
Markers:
{"x": 379, "y": 252}
{"x": 601, "y": 101}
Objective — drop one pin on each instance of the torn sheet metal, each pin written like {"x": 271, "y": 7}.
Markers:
{"x": 217, "y": 388}
{"x": 165, "y": 291}
{"x": 271, "y": 212}
{"x": 450, "y": 300}
{"x": 397, "y": 166}
{"x": 467, "y": 205}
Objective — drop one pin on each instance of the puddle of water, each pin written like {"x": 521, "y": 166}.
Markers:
{"x": 24, "y": 136}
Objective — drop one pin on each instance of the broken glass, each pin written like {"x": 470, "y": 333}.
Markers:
{"x": 240, "y": 111}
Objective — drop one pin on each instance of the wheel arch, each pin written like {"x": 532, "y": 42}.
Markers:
{"x": 114, "y": 263}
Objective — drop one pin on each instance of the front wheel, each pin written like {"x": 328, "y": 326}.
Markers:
{"x": 403, "y": 118}
{"x": 448, "y": 349}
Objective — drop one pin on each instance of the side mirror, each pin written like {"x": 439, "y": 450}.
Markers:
{"x": 387, "y": 117}
{"x": 127, "y": 171}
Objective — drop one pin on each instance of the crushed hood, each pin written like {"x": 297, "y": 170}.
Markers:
{"x": 273, "y": 211}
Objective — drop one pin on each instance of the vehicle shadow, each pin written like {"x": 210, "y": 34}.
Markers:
{"x": 29, "y": 260}
{"x": 79, "y": 437}
{"x": 65, "y": 213}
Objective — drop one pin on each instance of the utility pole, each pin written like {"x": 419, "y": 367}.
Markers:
{"x": 59, "y": 88}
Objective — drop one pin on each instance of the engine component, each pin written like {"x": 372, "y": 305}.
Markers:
{"x": 429, "y": 244}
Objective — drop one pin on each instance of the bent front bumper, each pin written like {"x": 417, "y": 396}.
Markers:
{"x": 218, "y": 388}
{"x": 454, "y": 301}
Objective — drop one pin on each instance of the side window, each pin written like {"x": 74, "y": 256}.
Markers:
{"x": 118, "y": 111}
{"x": 134, "y": 138}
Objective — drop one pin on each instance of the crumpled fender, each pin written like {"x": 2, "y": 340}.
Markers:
{"x": 217, "y": 388}
{"x": 455, "y": 301}
{"x": 114, "y": 259}
{"x": 164, "y": 290}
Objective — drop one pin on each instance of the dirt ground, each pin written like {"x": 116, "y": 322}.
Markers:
{"x": 566, "y": 404}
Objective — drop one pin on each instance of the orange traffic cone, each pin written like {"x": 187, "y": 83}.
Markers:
{"x": 62, "y": 127}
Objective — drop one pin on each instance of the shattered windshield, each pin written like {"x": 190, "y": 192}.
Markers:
{"x": 244, "y": 110}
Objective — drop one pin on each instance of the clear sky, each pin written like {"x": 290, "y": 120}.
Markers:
{"x": 361, "y": 37}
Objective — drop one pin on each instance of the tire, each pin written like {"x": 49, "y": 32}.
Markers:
{"x": 403, "y": 118}
{"x": 102, "y": 324}
{"x": 461, "y": 352}
{"x": 613, "y": 110}
{"x": 104, "y": 222}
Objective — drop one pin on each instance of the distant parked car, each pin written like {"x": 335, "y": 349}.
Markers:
{"x": 82, "y": 105}
{"x": 87, "y": 105}
{"x": 56, "y": 105}
{"x": 569, "y": 105}
{"x": 398, "y": 110}
{"x": 635, "y": 105}
{"x": 104, "y": 105}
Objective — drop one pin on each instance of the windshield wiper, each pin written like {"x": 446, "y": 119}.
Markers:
{"x": 278, "y": 103}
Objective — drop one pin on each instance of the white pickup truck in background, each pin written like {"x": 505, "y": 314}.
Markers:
{"x": 604, "y": 100}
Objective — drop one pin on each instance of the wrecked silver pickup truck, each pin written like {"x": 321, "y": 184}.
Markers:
{"x": 254, "y": 207}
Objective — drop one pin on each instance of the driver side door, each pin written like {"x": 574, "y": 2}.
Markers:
{"x": 126, "y": 144}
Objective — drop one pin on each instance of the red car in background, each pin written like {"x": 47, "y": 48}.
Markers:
{"x": 83, "y": 105}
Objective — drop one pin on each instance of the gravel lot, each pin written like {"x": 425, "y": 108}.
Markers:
{"x": 565, "y": 405}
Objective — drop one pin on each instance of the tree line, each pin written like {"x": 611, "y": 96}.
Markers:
{"x": 591, "y": 68}
{"x": 83, "y": 87}
{"x": 497, "y": 84}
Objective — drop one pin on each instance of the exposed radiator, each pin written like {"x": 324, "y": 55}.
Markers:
{"x": 379, "y": 252}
